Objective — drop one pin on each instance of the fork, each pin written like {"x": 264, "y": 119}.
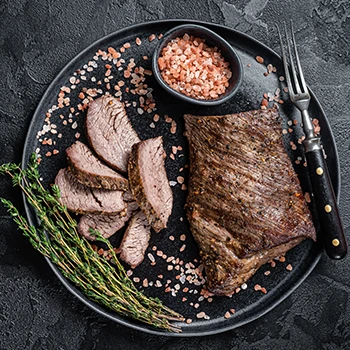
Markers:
{"x": 332, "y": 231}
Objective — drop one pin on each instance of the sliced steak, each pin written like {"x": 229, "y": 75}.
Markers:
{"x": 90, "y": 171}
{"x": 149, "y": 182}
{"x": 110, "y": 132}
{"x": 82, "y": 199}
{"x": 135, "y": 241}
{"x": 128, "y": 197}
{"x": 107, "y": 225}
{"x": 245, "y": 204}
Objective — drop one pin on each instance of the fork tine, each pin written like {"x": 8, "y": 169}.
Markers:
{"x": 296, "y": 82}
{"x": 303, "y": 83}
{"x": 285, "y": 63}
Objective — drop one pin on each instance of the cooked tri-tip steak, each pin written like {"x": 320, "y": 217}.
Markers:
{"x": 135, "y": 241}
{"x": 149, "y": 182}
{"x": 82, "y": 199}
{"x": 110, "y": 132}
{"x": 90, "y": 171}
{"x": 245, "y": 204}
{"x": 107, "y": 225}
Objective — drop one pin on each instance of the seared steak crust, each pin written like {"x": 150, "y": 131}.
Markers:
{"x": 149, "y": 183}
{"x": 90, "y": 171}
{"x": 110, "y": 132}
{"x": 245, "y": 204}
{"x": 82, "y": 199}
{"x": 135, "y": 241}
{"x": 224, "y": 269}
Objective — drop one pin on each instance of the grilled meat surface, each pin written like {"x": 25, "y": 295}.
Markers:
{"x": 136, "y": 239}
{"x": 107, "y": 225}
{"x": 90, "y": 171}
{"x": 245, "y": 204}
{"x": 149, "y": 183}
{"x": 110, "y": 132}
{"x": 82, "y": 199}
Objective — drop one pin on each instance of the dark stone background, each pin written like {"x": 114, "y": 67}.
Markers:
{"x": 37, "y": 38}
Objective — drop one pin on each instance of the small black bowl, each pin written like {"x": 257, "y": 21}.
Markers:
{"x": 211, "y": 39}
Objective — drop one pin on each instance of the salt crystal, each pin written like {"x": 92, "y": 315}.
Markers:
{"x": 151, "y": 257}
{"x": 158, "y": 284}
{"x": 180, "y": 179}
{"x": 200, "y": 314}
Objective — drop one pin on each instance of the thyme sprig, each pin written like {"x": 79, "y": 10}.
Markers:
{"x": 56, "y": 237}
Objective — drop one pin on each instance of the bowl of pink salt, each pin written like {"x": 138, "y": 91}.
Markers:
{"x": 197, "y": 65}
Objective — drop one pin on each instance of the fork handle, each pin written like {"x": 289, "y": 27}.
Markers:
{"x": 325, "y": 200}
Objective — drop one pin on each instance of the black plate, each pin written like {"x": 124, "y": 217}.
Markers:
{"x": 248, "y": 304}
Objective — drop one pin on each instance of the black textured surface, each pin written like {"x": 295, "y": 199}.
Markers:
{"x": 36, "y": 40}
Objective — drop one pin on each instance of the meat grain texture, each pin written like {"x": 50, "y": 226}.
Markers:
{"x": 149, "y": 183}
{"x": 245, "y": 204}
{"x": 82, "y": 199}
{"x": 110, "y": 132}
{"x": 135, "y": 241}
{"x": 107, "y": 225}
{"x": 90, "y": 171}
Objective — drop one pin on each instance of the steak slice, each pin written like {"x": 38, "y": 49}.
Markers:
{"x": 245, "y": 204}
{"x": 110, "y": 132}
{"x": 82, "y": 199}
{"x": 149, "y": 183}
{"x": 90, "y": 171}
{"x": 128, "y": 197}
{"x": 107, "y": 225}
{"x": 135, "y": 241}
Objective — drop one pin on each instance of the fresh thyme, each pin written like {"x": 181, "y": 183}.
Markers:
{"x": 56, "y": 237}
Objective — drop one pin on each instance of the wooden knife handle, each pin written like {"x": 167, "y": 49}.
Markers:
{"x": 332, "y": 231}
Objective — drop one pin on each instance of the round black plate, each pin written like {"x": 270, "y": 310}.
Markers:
{"x": 248, "y": 303}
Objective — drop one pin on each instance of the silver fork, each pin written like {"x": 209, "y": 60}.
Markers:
{"x": 325, "y": 200}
